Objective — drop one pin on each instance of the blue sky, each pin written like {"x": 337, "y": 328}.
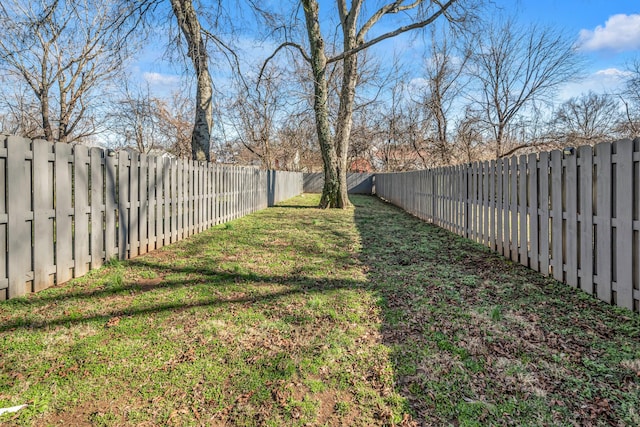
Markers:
{"x": 607, "y": 31}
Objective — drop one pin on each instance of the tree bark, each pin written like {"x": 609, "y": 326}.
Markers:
{"x": 345, "y": 109}
{"x": 331, "y": 191}
{"x": 190, "y": 26}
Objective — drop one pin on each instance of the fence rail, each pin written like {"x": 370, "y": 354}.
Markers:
{"x": 573, "y": 215}
{"x": 65, "y": 210}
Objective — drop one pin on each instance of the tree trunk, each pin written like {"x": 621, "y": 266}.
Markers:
{"x": 190, "y": 26}
{"x": 499, "y": 137}
{"x": 331, "y": 193}
{"x": 345, "y": 110}
{"x": 46, "y": 122}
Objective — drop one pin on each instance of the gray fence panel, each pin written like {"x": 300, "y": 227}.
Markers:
{"x": 90, "y": 205}
{"x": 357, "y": 183}
{"x": 575, "y": 215}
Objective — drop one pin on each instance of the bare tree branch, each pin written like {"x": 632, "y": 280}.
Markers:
{"x": 275, "y": 52}
{"x": 391, "y": 34}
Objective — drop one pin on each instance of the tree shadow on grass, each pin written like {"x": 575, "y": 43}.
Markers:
{"x": 295, "y": 285}
{"x": 476, "y": 339}
{"x": 181, "y": 265}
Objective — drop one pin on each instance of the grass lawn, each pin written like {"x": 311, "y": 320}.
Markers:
{"x": 299, "y": 316}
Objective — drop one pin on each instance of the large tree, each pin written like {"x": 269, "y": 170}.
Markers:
{"x": 355, "y": 25}
{"x": 630, "y": 97}
{"x": 64, "y": 52}
{"x": 588, "y": 119}
{"x": 516, "y": 67}
{"x": 191, "y": 28}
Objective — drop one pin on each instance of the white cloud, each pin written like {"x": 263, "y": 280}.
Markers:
{"x": 609, "y": 80}
{"x": 620, "y": 33}
{"x": 160, "y": 79}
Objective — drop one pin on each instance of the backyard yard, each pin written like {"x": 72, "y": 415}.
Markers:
{"x": 299, "y": 316}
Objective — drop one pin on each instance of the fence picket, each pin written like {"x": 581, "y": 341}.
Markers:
{"x": 523, "y": 225}
{"x": 623, "y": 255}
{"x": 81, "y": 210}
{"x": 603, "y": 221}
{"x": 123, "y": 204}
{"x": 499, "y": 198}
{"x": 533, "y": 235}
{"x": 585, "y": 160}
{"x": 169, "y": 204}
{"x": 97, "y": 207}
{"x": 178, "y": 186}
{"x": 134, "y": 205}
{"x": 44, "y": 214}
{"x": 64, "y": 212}
{"x": 513, "y": 207}
{"x": 143, "y": 197}
{"x": 506, "y": 234}
{"x": 556, "y": 213}
{"x": 492, "y": 205}
{"x": 110, "y": 206}
{"x": 4, "y": 219}
{"x": 152, "y": 208}
{"x": 571, "y": 224}
{"x": 19, "y": 231}
{"x": 543, "y": 234}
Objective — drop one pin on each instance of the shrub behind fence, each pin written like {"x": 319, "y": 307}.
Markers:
{"x": 67, "y": 209}
{"x": 574, "y": 215}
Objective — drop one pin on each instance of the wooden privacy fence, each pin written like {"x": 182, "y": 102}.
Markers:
{"x": 357, "y": 183}
{"x": 67, "y": 209}
{"x": 572, "y": 214}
